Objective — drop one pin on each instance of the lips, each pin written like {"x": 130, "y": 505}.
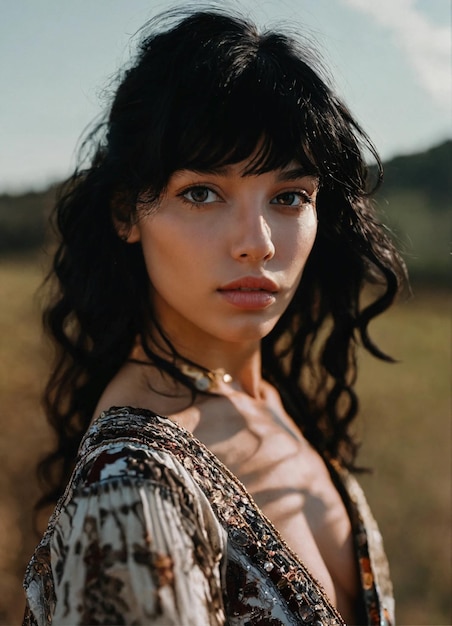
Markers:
{"x": 251, "y": 283}
{"x": 249, "y": 292}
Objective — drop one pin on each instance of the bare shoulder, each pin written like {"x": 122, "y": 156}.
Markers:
{"x": 143, "y": 387}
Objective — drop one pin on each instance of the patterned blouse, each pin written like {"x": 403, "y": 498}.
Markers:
{"x": 154, "y": 529}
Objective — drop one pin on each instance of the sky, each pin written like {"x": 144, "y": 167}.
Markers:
{"x": 390, "y": 61}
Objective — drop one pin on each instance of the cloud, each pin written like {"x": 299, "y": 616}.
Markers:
{"x": 426, "y": 45}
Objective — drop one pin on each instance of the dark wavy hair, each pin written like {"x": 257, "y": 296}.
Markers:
{"x": 207, "y": 90}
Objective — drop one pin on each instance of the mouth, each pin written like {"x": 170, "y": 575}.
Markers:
{"x": 250, "y": 292}
{"x": 248, "y": 289}
{"x": 251, "y": 284}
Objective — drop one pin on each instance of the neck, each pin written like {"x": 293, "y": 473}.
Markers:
{"x": 240, "y": 362}
{"x": 246, "y": 372}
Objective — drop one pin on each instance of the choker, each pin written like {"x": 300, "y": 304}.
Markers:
{"x": 205, "y": 380}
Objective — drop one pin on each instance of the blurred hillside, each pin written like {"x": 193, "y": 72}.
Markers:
{"x": 414, "y": 201}
{"x": 427, "y": 173}
{"x": 24, "y": 220}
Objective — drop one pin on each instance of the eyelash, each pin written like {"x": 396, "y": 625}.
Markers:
{"x": 182, "y": 195}
{"x": 305, "y": 198}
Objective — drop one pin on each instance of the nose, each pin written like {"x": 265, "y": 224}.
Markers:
{"x": 252, "y": 236}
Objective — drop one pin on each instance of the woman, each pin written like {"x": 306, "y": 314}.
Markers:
{"x": 210, "y": 272}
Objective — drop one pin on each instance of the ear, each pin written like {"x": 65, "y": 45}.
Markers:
{"x": 129, "y": 233}
{"x": 132, "y": 233}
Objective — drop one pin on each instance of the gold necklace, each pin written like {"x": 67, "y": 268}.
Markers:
{"x": 205, "y": 380}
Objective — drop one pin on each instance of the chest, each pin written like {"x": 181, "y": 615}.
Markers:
{"x": 285, "y": 475}
{"x": 293, "y": 488}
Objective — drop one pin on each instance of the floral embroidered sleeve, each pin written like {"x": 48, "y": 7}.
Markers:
{"x": 137, "y": 544}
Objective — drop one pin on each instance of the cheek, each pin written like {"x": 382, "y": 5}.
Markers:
{"x": 159, "y": 253}
{"x": 172, "y": 259}
{"x": 304, "y": 240}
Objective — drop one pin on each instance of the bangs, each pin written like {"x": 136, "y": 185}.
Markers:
{"x": 246, "y": 124}
{"x": 257, "y": 110}
{"x": 230, "y": 95}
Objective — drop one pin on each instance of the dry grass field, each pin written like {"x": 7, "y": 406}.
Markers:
{"x": 405, "y": 425}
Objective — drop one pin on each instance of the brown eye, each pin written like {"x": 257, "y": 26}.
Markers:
{"x": 292, "y": 198}
{"x": 200, "y": 195}
{"x": 286, "y": 198}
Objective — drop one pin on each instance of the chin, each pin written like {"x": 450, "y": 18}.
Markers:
{"x": 250, "y": 332}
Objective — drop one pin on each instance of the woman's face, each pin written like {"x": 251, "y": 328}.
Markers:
{"x": 225, "y": 252}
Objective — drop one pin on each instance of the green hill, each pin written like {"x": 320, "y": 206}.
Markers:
{"x": 426, "y": 173}
{"x": 23, "y": 220}
{"x": 415, "y": 201}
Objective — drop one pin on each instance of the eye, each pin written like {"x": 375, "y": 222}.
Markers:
{"x": 200, "y": 195}
{"x": 292, "y": 199}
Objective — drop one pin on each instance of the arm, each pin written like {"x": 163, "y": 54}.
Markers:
{"x": 141, "y": 547}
